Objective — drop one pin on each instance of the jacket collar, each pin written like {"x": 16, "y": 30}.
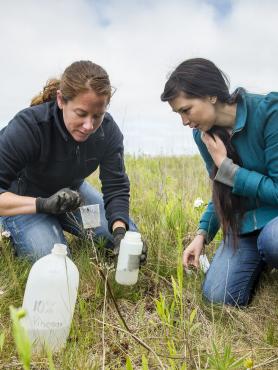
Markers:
{"x": 241, "y": 111}
{"x": 59, "y": 121}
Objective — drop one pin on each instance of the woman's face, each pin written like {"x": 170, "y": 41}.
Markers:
{"x": 195, "y": 112}
{"x": 84, "y": 114}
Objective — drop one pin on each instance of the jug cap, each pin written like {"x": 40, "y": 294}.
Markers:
{"x": 60, "y": 249}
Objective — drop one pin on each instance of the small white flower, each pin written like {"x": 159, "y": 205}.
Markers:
{"x": 198, "y": 202}
{"x": 6, "y": 234}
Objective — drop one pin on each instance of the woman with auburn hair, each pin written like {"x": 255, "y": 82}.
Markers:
{"x": 237, "y": 136}
{"x": 47, "y": 151}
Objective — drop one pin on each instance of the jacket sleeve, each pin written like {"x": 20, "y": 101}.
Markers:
{"x": 209, "y": 221}
{"x": 19, "y": 145}
{"x": 114, "y": 180}
{"x": 263, "y": 187}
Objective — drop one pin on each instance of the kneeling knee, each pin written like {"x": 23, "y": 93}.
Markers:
{"x": 267, "y": 243}
{"x": 222, "y": 295}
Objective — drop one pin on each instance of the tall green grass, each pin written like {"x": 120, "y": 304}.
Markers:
{"x": 171, "y": 326}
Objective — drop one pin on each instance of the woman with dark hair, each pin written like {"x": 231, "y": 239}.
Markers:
{"x": 237, "y": 136}
{"x": 47, "y": 151}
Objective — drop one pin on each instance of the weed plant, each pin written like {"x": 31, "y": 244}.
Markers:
{"x": 171, "y": 326}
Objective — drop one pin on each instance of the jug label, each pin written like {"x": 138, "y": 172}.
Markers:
{"x": 39, "y": 323}
{"x": 41, "y": 306}
{"x": 133, "y": 262}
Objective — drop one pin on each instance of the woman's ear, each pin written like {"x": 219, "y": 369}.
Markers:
{"x": 60, "y": 100}
{"x": 213, "y": 99}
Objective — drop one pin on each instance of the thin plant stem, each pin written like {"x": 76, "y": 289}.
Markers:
{"x": 137, "y": 339}
{"x": 103, "y": 322}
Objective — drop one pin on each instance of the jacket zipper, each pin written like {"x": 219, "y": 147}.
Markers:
{"x": 77, "y": 153}
{"x": 19, "y": 185}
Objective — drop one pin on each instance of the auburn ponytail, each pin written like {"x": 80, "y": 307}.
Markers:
{"x": 49, "y": 92}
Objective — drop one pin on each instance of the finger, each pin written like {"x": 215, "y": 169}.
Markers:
{"x": 116, "y": 251}
{"x": 59, "y": 201}
{"x": 76, "y": 201}
{"x": 71, "y": 201}
{"x": 142, "y": 262}
{"x": 143, "y": 259}
{"x": 63, "y": 208}
{"x": 79, "y": 200}
{"x": 206, "y": 138}
{"x": 218, "y": 139}
{"x": 209, "y": 140}
{"x": 144, "y": 248}
{"x": 196, "y": 261}
{"x": 69, "y": 197}
{"x": 63, "y": 197}
{"x": 185, "y": 259}
{"x": 191, "y": 260}
{"x": 65, "y": 203}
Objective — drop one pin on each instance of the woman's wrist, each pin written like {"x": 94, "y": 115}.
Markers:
{"x": 219, "y": 161}
{"x": 202, "y": 234}
{"x": 118, "y": 223}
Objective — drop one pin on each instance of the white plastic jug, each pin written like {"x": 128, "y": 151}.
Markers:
{"x": 129, "y": 258}
{"x": 49, "y": 299}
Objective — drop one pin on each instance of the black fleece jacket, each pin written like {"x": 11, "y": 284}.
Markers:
{"x": 38, "y": 157}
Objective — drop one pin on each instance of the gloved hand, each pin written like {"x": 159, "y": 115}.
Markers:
{"x": 144, "y": 254}
{"x": 118, "y": 235}
{"x": 65, "y": 200}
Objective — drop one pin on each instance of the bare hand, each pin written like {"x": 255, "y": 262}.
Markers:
{"x": 215, "y": 147}
{"x": 193, "y": 251}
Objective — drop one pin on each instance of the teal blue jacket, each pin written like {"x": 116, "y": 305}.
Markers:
{"x": 255, "y": 138}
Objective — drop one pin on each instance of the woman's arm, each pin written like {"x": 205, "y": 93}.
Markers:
{"x": 246, "y": 182}
{"x": 114, "y": 180}
{"x": 263, "y": 187}
{"x": 12, "y": 204}
{"x": 64, "y": 200}
{"x": 118, "y": 223}
{"x": 20, "y": 144}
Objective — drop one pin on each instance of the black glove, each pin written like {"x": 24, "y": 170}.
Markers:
{"x": 65, "y": 200}
{"x": 118, "y": 235}
{"x": 144, "y": 254}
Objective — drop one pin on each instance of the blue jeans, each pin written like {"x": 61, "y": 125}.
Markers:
{"x": 34, "y": 235}
{"x": 233, "y": 273}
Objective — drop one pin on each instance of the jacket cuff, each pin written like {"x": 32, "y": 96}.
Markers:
{"x": 226, "y": 172}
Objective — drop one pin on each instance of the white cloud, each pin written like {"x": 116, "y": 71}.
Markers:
{"x": 139, "y": 43}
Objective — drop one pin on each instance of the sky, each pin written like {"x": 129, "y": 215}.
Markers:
{"x": 139, "y": 43}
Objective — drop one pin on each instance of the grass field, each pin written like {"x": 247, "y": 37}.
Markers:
{"x": 171, "y": 326}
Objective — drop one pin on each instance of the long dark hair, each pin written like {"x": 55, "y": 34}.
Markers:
{"x": 229, "y": 207}
{"x": 197, "y": 77}
{"x": 201, "y": 78}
